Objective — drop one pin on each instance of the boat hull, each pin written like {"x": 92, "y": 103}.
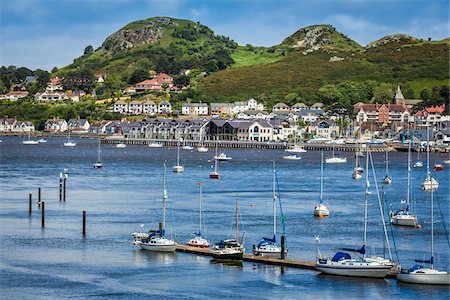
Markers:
{"x": 438, "y": 279}
{"x": 357, "y": 271}
{"x": 158, "y": 248}
{"x": 227, "y": 256}
{"x": 178, "y": 169}
{"x": 214, "y": 175}
{"x": 408, "y": 222}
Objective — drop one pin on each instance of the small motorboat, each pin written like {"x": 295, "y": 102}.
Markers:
{"x": 336, "y": 160}
{"x": 121, "y": 145}
{"x": 155, "y": 145}
{"x": 202, "y": 149}
{"x": 42, "y": 140}
{"x": 438, "y": 167}
{"x": 188, "y": 147}
{"x": 418, "y": 164}
{"x": 447, "y": 162}
{"x": 214, "y": 175}
{"x": 98, "y": 165}
{"x": 387, "y": 180}
{"x": 292, "y": 157}
{"x": 70, "y": 144}
{"x": 222, "y": 157}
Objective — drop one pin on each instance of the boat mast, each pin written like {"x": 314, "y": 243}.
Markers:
{"x": 237, "y": 222}
{"x": 201, "y": 209}
{"x": 178, "y": 153}
{"x": 164, "y": 199}
{"x": 387, "y": 162}
{"x": 98, "y": 151}
{"x": 428, "y": 157}
{"x": 274, "y": 204}
{"x": 409, "y": 176}
{"x": 321, "y": 178}
{"x": 216, "y": 160}
{"x": 365, "y": 198}
{"x": 432, "y": 229}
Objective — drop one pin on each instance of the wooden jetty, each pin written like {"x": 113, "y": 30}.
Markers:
{"x": 252, "y": 258}
{"x": 245, "y": 144}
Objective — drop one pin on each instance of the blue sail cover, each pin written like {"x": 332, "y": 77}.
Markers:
{"x": 340, "y": 256}
{"x": 362, "y": 250}
{"x": 415, "y": 267}
{"x": 266, "y": 241}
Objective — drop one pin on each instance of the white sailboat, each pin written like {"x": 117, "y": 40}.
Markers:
{"x": 156, "y": 240}
{"x": 404, "y": 217}
{"x": 200, "y": 147}
{"x": 30, "y": 141}
{"x": 418, "y": 163}
{"x": 321, "y": 210}
{"x": 98, "y": 164}
{"x": 295, "y": 148}
{"x": 199, "y": 241}
{"x": 155, "y": 144}
{"x": 421, "y": 275}
{"x": 357, "y": 171}
{"x": 215, "y": 174}
{"x": 42, "y": 140}
{"x": 342, "y": 264}
{"x": 121, "y": 145}
{"x": 292, "y": 157}
{"x": 430, "y": 183}
{"x": 335, "y": 159}
{"x": 178, "y": 168}
{"x": 268, "y": 246}
{"x": 186, "y": 146}
{"x": 69, "y": 142}
{"x": 387, "y": 179}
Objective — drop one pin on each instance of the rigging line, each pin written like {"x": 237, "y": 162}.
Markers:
{"x": 281, "y": 208}
{"x": 391, "y": 227}
{"x": 443, "y": 220}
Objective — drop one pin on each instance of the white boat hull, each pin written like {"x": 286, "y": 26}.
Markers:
{"x": 355, "y": 271}
{"x": 30, "y": 142}
{"x": 70, "y": 144}
{"x": 202, "y": 149}
{"x": 178, "y": 169}
{"x": 336, "y": 160}
{"x": 155, "y": 145}
{"x": 121, "y": 146}
{"x": 438, "y": 279}
{"x": 159, "y": 248}
{"x": 321, "y": 210}
{"x": 409, "y": 222}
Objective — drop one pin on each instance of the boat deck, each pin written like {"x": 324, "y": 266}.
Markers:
{"x": 252, "y": 258}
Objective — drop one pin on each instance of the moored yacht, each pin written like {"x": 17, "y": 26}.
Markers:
{"x": 321, "y": 209}
{"x": 430, "y": 183}
{"x": 199, "y": 241}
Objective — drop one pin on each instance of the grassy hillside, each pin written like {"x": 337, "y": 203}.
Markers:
{"x": 422, "y": 64}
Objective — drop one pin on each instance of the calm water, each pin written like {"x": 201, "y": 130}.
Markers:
{"x": 58, "y": 263}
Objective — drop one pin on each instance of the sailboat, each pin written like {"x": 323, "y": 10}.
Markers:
{"x": 69, "y": 142}
{"x": 421, "y": 275}
{"x": 42, "y": 140}
{"x": 200, "y": 147}
{"x": 230, "y": 249}
{"x": 321, "y": 209}
{"x": 430, "y": 183}
{"x": 335, "y": 159}
{"x": 30, "y": 141}
{"x": 418, "y": 163}
{"x": 295, "y": 148}
{"x": 155, "y": 144}
{"x": 155, "y": 240}
{"x": 98, "y": 164}
{"x": 186, "y": 146}
{"x": 342, "y": 264}
{"x": 387, "y": 179}
{"x": 178, "y": 168}
{"x": 357, "y": 172}
{"x": 121, "y": 145}
{"x": 268, "y": 246}
{"x": 199, "y": 241}
{"x": 404, "y": 217}
{"x": 215, "y": 174}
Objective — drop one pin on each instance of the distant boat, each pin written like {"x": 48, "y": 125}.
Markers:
{"x": 199, "y": 241}
{"x": 447, "y": 162}
{"x": 30, "y": 141}
{"x": 268, "y": 246}
{"x": 200, "y": 147}
{"x": 404, "y": 217}
{"x": 98, "y": 164}
{"x": 296, "y": 149}
{"x": 121, "y": 145}
{"x": 69, "y": 142}
{"x": 215, "y": 174}
{"x": 321, "y": 209}
{"x": 430, "y": 183}
{"x": 155, "y": 145}
{"x": 335, "y": 159}
{"x": 292, "y": 157}
{"x": 230, "y": 249}
{"x": 357, "y": 171}
{"x": 222, "y": 157}
{"x": 387, "y": 179}
{"x": 418, "y": 163}
{"x": 42, "y": 140}
{"x": 155, "y": 240}
{"x": 178, "y": 168}
{"x": 421, "y": 275}
{"x": 188, "y": 147}
{"x": 438, "y": 167}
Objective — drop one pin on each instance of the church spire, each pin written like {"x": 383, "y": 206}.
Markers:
{"x": 399, "y": 99}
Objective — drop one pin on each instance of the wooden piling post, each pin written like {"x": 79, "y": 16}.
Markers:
{"x": 30, "y": 206}
{"x": 60, "y": 186}
{"x": 43, "y": 214}
{"x": 64, "y": 189}
{"x": 39, "y": 197}
{"x": 282, "y": 247}
{"x": 84, "y": 222}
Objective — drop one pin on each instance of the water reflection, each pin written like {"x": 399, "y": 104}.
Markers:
{"x": 227, "y": 263}
{"x": 142, "y": 256}
{"x": 345, "y": 279}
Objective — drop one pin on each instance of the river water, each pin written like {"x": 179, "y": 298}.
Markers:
{"x": 57, "y": 262}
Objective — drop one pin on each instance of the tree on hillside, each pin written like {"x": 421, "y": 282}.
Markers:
{"x": 88, "y": 50}
{"x": 138, "y": 76}
{"x": 329, "y": 94}
{"x": 181, "y": 81}
{"x": 55, "y": 69}
{"x": 42, "y": 77}
{"x": 383, "y": 93}
{"x": 425, "y": 94}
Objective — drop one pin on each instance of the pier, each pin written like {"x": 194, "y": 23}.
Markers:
{"x": 246, "y": 144}
{"x": 252, "y": 258}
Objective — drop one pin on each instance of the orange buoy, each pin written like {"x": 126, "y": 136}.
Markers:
{"x": 320, "y": 216}
{"x": 419, "y": 226}
{"x": 252, "y": 205}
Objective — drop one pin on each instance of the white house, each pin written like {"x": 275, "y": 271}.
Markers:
{"x": 310, "y": 115}
{"x": 120, "y": 107}
{"x": 14, "y": 95}
{"x": 79, "y": 125}
{"x": 56, "y": 125}
{"x": 164, "y": 107}
{"x": 299, "y": 106}
{"x": 50, "y": 96}
{"x": 253, "y": 115}
{"x": 281, "y": 107}
{"x": 23, "y": 126}
{"x": 150, "y": 107}
{"x": 194, "y": 109}
{"x": 135, "y": 107}
{"x": 260, "y": 131}
{"x": 7, "y": 124}
{"x": 324, "y": 129}
{"x": 252, "y": 104}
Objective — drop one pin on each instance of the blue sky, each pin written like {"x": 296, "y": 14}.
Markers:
{"x": 48, "y": 33}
